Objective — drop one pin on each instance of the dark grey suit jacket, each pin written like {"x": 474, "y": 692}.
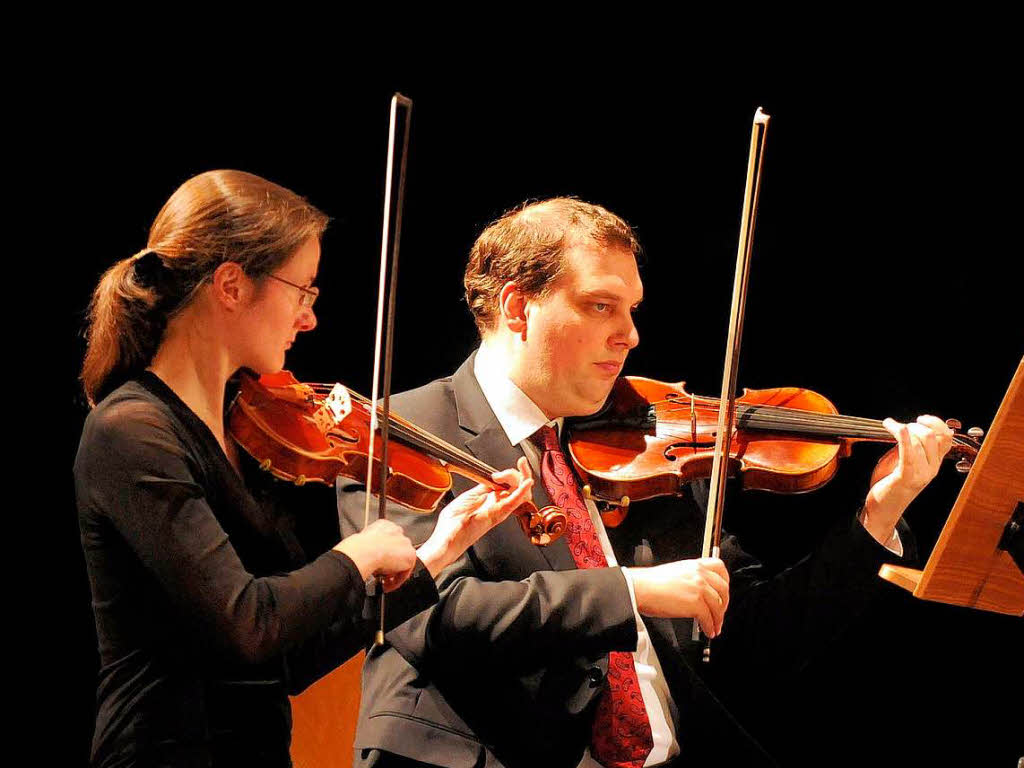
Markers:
{"x": 505, "y": 670}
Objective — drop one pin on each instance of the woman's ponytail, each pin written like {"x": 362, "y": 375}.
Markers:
{"x": 126, "y": 324}
{"x": 214, "y": 217}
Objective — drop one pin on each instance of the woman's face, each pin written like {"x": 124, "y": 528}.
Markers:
{"x": 277, "y": 313}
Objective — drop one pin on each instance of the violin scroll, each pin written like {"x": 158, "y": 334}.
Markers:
{"x": 965, "y": 447}
{"x": 543, "y": 526}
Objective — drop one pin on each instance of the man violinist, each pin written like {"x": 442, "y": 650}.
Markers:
{"x": 576, "y": 653}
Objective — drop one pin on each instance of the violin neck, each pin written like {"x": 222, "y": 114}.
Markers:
{"x": 457, "y": 460}
{"x": 769, "y": 418}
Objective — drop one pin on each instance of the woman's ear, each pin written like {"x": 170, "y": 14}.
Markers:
{"x": 232, "y": 288}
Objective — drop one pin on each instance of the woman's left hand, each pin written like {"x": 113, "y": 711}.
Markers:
{"x": 472, "y": 514}
{"x": 904, "y": 471}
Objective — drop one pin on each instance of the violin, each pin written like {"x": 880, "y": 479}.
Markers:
{"x": 653, "y": 437}
{"x": 314, "y": 432}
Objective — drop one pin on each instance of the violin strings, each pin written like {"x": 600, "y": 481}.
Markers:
{"x": 682, "y": 405}
{"x": 765, "y": 413}
{"x": 840, "y": 424}
{"x": 958, "y": 442}
{"x": 836, "y": 426}
{"x": 421, "y": 438}
{"x": 810, "y": 432}
{"x": 762, "y": 417}
{"x": 766, "y": 418}
{"x": 742, "y": 408}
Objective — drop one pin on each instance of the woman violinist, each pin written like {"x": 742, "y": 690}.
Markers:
{"x": 208, "y": 613}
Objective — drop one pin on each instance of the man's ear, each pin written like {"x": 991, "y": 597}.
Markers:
{"x": 231, "y": 286}
{"x": 512, "y": 304}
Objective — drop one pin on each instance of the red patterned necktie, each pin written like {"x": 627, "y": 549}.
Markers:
{"x": 621, "y": 735}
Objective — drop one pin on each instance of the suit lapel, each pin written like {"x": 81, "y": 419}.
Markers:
{"x": 489, "y": 443}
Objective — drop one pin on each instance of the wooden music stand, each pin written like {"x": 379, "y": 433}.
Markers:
{"x": 977, "y": 561}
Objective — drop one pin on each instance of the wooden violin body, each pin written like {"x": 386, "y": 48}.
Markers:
{"x": 313, "y": 433}
{"x": 287, "y": 427}
{"x": 653, "y": 437}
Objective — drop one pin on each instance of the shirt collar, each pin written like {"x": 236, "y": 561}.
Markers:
{"x": 518, "y": 415}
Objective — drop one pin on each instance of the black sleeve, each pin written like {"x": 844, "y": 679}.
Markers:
{"x": 135, "y": 472}
{"x": 354, "y": 630}
{"x": 781, "y": 621}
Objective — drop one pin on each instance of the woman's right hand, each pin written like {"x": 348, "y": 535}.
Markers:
{"x": 381, "y": 549}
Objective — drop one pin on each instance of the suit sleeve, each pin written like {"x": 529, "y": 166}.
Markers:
{"x": 783, "y": 620}
{"x": 522, "y": 625}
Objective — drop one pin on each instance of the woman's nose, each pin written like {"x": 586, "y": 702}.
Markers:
{"x": 306, "y": 320}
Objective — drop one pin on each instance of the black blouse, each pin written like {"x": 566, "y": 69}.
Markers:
{"x": 208, "y": 613}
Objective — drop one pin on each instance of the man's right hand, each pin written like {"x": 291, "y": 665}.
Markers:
{"x": 697, "y": 588}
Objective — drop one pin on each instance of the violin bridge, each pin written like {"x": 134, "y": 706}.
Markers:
{"x": 335, "y": 407}
{"x": 339, "y": 403}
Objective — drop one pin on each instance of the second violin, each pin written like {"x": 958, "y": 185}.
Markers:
{"x": 315, "y": 432}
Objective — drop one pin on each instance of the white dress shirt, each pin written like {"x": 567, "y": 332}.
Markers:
{"x": 520, "y": 417}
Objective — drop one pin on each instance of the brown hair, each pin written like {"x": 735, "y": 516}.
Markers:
{"x": 526, "y": 246}
{"x": 212, "y": 218}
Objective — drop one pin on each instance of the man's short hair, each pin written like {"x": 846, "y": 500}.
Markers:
{"x": 527, "y": 244}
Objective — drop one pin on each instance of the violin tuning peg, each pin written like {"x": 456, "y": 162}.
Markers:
{"x": 976, "y": 432}
{"x": 586, "y": 492}
{"x": 963, "y": 466}
{"x": 300, "y": 480}
{"x": 954, "y": 424}
{"x": 265, "y": 465}
{"x": 624, "y": 502}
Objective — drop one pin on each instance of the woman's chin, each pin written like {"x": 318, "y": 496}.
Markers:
{"x": 266, "y": 367}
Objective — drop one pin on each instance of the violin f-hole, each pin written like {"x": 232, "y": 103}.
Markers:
{"x": 345, "y": 437}
{"x": 690, "y": 445}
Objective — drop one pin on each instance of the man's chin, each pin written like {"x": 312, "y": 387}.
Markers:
{"x": 590, "y": 406}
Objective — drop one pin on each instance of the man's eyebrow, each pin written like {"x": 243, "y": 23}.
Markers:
{"x": 603, "y": 294}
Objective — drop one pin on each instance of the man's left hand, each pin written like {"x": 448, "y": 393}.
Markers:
{"x": 904, "y": 471}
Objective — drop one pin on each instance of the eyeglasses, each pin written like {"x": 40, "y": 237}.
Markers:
{"x": 308, "y": 296}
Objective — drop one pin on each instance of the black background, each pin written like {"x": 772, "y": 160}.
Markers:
{"x": 884, "y": 277}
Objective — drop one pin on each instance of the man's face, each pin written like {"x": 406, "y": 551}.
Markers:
{"x": 579, "y": 333}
